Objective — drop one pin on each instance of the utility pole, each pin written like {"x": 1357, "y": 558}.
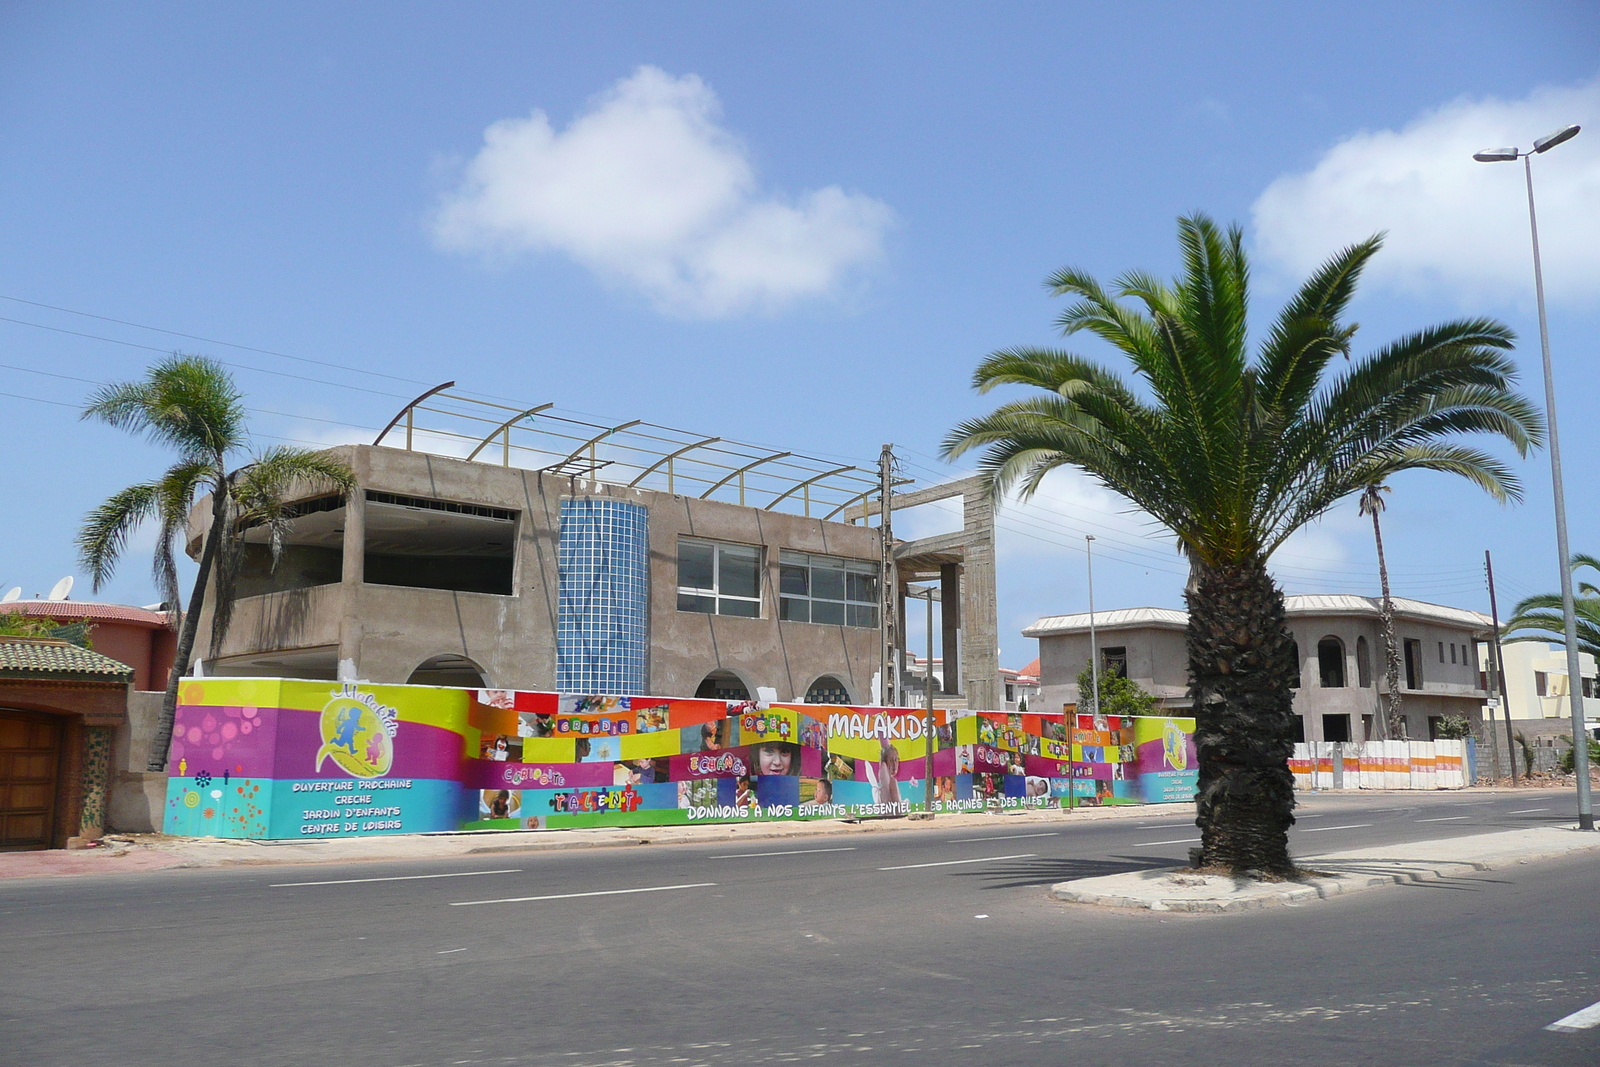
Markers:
{"x": 1497, "y": 668}
{"x": 1094, "y": 644}
{"x": 888, "y": 693}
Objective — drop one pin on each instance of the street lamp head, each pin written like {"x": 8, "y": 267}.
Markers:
{"x": 1565, "y": 133}
{"x": 1496, "y": 155}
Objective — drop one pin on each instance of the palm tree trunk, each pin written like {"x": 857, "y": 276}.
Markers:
{"x": 1241, "y": 669}
{"x": 1387, "y": 721}
{"x": 162, "y": 742}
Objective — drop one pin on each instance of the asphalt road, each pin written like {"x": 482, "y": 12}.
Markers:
{"x": 936, "y": 945}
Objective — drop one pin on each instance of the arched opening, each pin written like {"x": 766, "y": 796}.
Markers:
{"x": 1363, "y": 663}
{"x": 827, "y": 690}
{"x": 1294, "y": 650}
{"x": 1330, "y": 662}
{"x": 722, "y": 685}
{"x": 448, "y": 669}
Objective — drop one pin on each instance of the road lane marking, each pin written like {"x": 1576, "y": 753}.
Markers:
{"x": 594, "y": 893}
{"x": 1578, "y": 1020}
{"x": 794, "y": 852}
{"x": 394, "y": 878}
{"x": 951, "y": 863}
{"x": 1447, "y": 818}
{"x": 1526, "y": 811}
{"x": 1318, "y": 829}
{"x": 447, "y": 951}
{"x": 1179, "y": 841}
{"x": 1008, "y": 837}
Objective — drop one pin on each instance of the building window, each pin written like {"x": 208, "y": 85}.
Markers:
{"x": 1441, "y": 652}
{"x": 1541, "y": 683}
{"x": 827, "y": 690}
{"x": 1452, "y": 651}
{"x": 1294, "y": 680}
{"x": 1330, "y": 663}
{"x": 1588, "y": 687}
{"x": 827, "y": 589}
{"x": 1363, "y": 663}
{"x": 1413, "y": 663}
{"x": 718, "y": 579}
{"x": 1336, "y": 728}
{"x": 1011, "y": 692}
{"x": 1114, "y": 660}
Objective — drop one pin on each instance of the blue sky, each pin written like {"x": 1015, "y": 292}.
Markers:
{"x": 793, "y": 224}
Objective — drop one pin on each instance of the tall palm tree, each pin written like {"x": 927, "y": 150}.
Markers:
{"x": 1233, "y": 453}
{"x": 190, "y": 404}
{"x": 1539, "y": 617}
{"x": 1372, "y": 504}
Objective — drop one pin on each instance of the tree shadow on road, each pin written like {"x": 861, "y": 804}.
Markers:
{"x": 1012, "y": 874}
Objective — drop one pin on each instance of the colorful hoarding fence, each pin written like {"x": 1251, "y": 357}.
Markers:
{"x": 288, "y": 758}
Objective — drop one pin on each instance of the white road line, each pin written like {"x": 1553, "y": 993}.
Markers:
{"x": 595, "y": 893}
{"x": 1008, "y": 837}
{"x": 447, "y": 951}
{"x": 795, "y": 852}
{"x": 1578, "y": 1020}
{"x": 1447, "y": 818}
{"x": 1526, "y": 811}
{"x": 394, "y": 878}
{"x": 1179, "y": 841}
{"x": 1318, "y": 829}
{"x": 951, "y": 863}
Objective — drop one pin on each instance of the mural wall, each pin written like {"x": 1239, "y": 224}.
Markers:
{"x": 290, "y": 759}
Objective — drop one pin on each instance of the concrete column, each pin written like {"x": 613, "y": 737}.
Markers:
{"x": 95, "y": 777}
{"x": 353, "y": 575}
{"x": 980, "y": 651}
{"x": 950, "y": 625}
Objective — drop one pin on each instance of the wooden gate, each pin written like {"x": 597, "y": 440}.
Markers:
{"x": 30, "y": 752}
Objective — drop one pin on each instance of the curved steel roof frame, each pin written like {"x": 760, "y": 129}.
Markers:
{"x": 793, "y": 489}
{"x": 402, "y": 413}
{"x": 593, "y": 441}
{"x": 506, "y": 426}
{"x": 664, "y": 460}
{"x": 747, "y": 467}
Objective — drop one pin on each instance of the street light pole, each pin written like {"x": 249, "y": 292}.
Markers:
{"x": 1580, "y": 746}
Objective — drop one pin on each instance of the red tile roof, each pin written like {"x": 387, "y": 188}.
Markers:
{"x": 73, "y": 610}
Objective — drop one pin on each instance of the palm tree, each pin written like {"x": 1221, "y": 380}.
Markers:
{"x": 190, "y": 404}
{"x": 1539, "y": 617}
{"x": 1372, "y": 504}
{"x": 1233, "y": 454}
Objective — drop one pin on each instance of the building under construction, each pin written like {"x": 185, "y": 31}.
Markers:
{"x": 500, "y": 547}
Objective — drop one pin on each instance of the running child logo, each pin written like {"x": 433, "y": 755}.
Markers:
{"x": 357, "y": 733}
{"x": 1174, "y": 746}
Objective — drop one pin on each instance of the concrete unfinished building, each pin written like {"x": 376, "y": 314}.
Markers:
{"x": 496, "y": 547}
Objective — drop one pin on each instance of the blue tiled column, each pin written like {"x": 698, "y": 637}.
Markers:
{"x": 603, "y": 620}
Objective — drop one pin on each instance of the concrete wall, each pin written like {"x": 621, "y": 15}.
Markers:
{"x": 381, "y": 633}
{"x": 137, "y": 797}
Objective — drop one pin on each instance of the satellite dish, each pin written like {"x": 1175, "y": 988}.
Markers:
{"x": 12, "y": 595}
{"x": 60, "y": 590}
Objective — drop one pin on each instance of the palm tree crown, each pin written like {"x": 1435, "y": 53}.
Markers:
{"x": 1539, "y": 617}
{"x": 1233, "y": 452}
{"x": 190, "y": 404}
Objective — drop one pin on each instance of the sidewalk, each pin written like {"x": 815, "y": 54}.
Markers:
{"x": 128, "y": 853}
{"x": 1338, "y": 873}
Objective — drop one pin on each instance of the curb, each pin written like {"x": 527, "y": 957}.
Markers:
{"x": 1290, "y": 893}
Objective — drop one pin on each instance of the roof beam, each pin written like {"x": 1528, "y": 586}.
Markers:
{"x": 506, "y": 426}
{"x": 792, "y": 490}
{"x": 406, "y": 410}
{"x": 664, "y": 460}
{"x": 591, "y": 442}
{"x": 742, "y": 470}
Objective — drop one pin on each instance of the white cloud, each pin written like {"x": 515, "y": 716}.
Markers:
{"x": 1455, "y": 225}
{"x": 647, "y": 190}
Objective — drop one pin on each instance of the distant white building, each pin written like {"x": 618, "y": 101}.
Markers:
{"x": 1341, "y": 650}
{"x": 1536, "y": 681}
